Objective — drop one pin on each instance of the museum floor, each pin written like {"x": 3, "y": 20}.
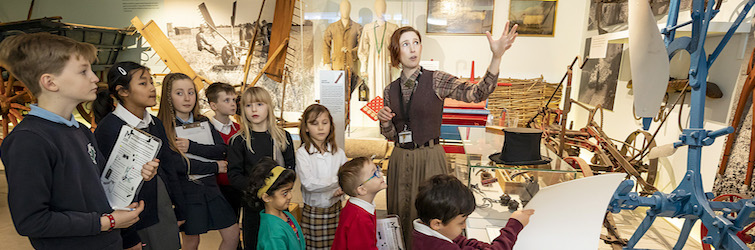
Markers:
{"x": 662, "y": 235}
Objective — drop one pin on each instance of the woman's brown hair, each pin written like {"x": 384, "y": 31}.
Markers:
{"x": 309, "y": 115}
{"x": 395, "y": 46}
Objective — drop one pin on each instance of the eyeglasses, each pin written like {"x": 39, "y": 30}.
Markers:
{"x": 378, "y": 173}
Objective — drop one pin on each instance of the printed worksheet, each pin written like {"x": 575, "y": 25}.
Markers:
{"x": 122, "y": 176}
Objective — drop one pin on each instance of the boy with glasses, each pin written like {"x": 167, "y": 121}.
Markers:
{"x": 362, "y": 180}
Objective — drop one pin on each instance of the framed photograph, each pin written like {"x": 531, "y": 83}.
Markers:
{"x": 600, "y": 76}
{"x": 459, "y": 16}
{"x": 534, "y": 17}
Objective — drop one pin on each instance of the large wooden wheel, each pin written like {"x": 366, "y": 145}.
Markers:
{"x": 14, "y": 98}
{"x": 746, "y": 238}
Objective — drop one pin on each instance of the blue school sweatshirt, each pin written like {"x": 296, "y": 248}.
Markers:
{"x": 54, "y": 192}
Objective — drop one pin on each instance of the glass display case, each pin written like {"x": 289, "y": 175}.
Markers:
{"x": 515, "y": 181}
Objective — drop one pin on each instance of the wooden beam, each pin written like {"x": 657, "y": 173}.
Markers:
{"x": 270, "y": 61}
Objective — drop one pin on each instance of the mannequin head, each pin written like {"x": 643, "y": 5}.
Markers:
{"x": 380, "y": 9}
{"x": 345, "y": 9}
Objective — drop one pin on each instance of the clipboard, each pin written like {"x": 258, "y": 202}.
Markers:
{"x": 199, "y": 132}
{"x": 389, "y": 233}
{"x": 122, "y": 178}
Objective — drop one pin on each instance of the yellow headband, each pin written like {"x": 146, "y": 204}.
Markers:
{"x": 270, "y": 180}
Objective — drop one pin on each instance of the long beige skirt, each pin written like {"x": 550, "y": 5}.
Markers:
{"x": 407, "y": 169}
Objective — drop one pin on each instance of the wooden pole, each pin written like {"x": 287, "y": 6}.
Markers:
{"x": 31, "y": 7}
{"x": 249, "y": 56}
{"x": 567, "y": 107}
{"x": 269, "y": 62}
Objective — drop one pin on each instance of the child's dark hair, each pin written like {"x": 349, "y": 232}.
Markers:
{"x": 257, "y": 180}
{"x": 118, "y": 75}
{"x": 350, "y": 174}
{"x": 443, "y": 197}
{"x": 212, "y": 91}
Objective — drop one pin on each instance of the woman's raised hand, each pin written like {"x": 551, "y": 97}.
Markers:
{"x": 498, "y": 47}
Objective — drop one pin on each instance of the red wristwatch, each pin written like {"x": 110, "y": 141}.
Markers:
{"x": 112, "y": 221}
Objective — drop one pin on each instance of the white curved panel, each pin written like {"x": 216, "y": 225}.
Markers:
{"x": 648, "y": 59}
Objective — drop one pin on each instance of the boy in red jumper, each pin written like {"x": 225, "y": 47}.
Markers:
{"x": 222, "y": 99}
{"x": 443, "y": 204}
{"x": 357, "y": 225}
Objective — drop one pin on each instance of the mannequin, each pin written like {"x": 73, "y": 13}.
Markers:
{"x": 373, "y": 51}
{"x": 340, "y": 45}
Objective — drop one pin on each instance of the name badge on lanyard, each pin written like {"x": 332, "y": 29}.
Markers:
{"x": 405, "y": 136}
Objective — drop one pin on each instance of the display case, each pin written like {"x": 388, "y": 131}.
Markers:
{"x": 518, "y": 182}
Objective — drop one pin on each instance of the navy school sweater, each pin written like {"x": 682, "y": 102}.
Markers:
{"x": 241, "y": 161}
{"x": 193, "y": 191}
{"x": 54, "y": 192}
{"x": 107, "y": 133}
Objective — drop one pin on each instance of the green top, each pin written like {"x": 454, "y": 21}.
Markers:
{"x": 275, "y": 233}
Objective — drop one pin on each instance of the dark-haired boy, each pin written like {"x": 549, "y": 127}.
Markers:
{"x": 443, "y": 204}
{"x": 222, "y": 99}
{"x": 357, "y": 225}
{"x": 51, "y": 161}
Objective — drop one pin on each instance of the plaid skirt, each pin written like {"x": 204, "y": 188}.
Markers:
{"x": 319, "y": 225}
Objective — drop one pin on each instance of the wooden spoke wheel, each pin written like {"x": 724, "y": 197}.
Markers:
{"x": 633, "y": 146}
{"x": 747, "y": 239}
{"x": 14, "y": 100}
{"x": 86, "y": 112}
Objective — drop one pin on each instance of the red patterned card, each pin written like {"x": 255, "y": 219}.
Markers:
{"x": 372, "y": 108}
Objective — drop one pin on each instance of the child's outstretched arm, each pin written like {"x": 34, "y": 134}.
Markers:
{"x": 509, "y": 234}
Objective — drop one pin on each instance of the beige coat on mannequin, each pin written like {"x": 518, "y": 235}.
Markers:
{"x": 373, "y": 52}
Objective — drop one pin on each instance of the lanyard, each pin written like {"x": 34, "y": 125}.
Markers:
{"x": 405, "y": 112}
{"x": 379, "y": 49}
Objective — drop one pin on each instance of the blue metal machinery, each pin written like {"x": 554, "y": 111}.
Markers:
{"x": 688, "y": 200}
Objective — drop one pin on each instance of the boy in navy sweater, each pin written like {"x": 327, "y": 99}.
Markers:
{"x": 52, "y": 162}
{"x": 443, "y": 204}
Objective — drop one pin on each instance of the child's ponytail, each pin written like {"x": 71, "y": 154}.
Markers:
{"x": 118, "y": 75}
{"x": 103, "y": 105}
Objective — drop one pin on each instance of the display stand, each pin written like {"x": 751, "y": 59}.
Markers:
{"x": 688, "y": 200}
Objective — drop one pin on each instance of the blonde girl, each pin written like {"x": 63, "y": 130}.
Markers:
{"x": 259, "y": 137}
{"x": 206, "y": 208}
{"x": 318, "y": 160}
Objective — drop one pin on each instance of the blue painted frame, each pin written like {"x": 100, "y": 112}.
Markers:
{"x": 688, "y": 200}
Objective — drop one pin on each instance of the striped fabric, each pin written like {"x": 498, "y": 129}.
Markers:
{"x": 319, "y": 225}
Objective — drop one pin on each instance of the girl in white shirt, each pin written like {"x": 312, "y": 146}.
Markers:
{"x": 317, "y": 163}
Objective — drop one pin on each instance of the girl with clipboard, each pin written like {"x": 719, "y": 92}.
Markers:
{"x": 131, "y": 84}
{"x": 205, "y": 153}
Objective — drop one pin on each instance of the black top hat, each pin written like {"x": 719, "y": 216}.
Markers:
{"x": 521, "y": 146}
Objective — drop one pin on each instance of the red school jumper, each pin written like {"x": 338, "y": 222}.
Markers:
{"x": 357, "y": 229}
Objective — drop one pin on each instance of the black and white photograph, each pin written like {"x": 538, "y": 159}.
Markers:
{"x": 613, "y": 14}
{"x": 219, "y": 46}
{"x": 600, "y": 76}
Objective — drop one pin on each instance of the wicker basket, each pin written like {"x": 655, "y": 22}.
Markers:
{"x": 522, "y": 99}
